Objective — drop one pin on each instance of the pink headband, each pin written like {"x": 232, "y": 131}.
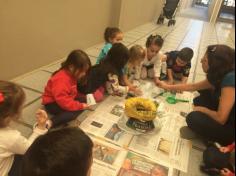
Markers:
{"x": 1, "y": 98}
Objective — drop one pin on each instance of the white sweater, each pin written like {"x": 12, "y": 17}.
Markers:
{"x": 11, "y": 143}
{"x": 156, "y": 61}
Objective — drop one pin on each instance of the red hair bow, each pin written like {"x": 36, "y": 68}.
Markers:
{"x": 1, "y": 98}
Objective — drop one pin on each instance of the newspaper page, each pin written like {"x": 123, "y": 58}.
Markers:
{"x": 137, "y": 165}
{"x": 109, "y": 103}
{"x": 107, "y": 158}
{"x": 104, "y": 125}
{"x": 179, "y": 107}
{"x": 164, "y": 147}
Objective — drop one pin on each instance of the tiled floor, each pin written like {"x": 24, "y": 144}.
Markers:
{"x": 187, "y": 32}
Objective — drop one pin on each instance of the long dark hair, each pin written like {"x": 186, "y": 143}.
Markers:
{"x": 62, "y": 152}
{"x": 221, "y": 59}
{"x": 77, "y": 58}
{"x": 116, "y": 59}
{"x": 13, "y": 97}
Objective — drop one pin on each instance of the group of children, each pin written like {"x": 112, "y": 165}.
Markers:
{"x": 116, "y": 72}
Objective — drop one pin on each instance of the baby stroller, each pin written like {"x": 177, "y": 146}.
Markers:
{"x": 169, "y": 11}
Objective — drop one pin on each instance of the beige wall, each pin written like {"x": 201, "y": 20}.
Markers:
{"x": 138, "y": 12}
{"x": 214, "y": 9}
{"x": 36, "y": 33}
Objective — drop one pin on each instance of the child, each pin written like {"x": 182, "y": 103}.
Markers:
{"x": 219, "y": 161}
{"x": 112, "y": 35}
{"x": 133, "y": 67}
{"x": 62, "y": 152}
{"x": 151, "y": 67}
{"x": 12, "y": 143}
{"x": 108, "y": 72}
{"x": 61, "y": 96}
{"x": 179, "y": 65}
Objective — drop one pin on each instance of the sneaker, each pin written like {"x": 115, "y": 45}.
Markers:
{"x": 187, "y": 133}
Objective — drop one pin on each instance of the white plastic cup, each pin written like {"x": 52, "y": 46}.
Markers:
{"x": 91, "y": 100}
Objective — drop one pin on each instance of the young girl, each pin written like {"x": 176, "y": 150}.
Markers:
{"x": 67, "y": 151}
{"x": 152, "y": 65}
{"x": 133, "y": 67}
{"x": 112, "y": 35}
{"x": 61, "y": 96}
{"x": 109, "y": 72}
{"x": 12, "y": 143}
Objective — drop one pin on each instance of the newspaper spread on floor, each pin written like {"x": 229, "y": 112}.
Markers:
{"x": 110, "y": 160}
{"x": 163, "y": 147}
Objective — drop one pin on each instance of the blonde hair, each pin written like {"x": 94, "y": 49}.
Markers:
{"x": 136, "y": 52}
{"x": 12, "y": 99}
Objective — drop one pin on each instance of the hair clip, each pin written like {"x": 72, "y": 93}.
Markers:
{"x": 213, "y": 49}
{"x": 1, "y": 97}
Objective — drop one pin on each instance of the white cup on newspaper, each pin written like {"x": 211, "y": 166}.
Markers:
{"x": 91, "y": 100}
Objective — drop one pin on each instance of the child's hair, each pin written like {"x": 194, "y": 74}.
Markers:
{"x": 12, "y": 98}
{"x": 77, "y": 58}
{"x": 116, "y": 58}
{"x": 62, "y": 152}
{"x": 186, "y": 54}
{"x": 136, "y": 52}
{"x": 111, "y": 33}
{"x": 154, "y": 40}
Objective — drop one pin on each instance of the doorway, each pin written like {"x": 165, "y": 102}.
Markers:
{"x": 227, "y": 11}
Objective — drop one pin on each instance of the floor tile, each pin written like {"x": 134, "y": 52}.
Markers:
{"x": 31, "y": 96}
{"x": 35, "y": 81}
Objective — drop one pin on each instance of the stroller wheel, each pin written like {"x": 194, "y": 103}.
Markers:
{"x": 174, "y": 22}
{"x": 169, "y": 23}
{"x": 160, "y": 20}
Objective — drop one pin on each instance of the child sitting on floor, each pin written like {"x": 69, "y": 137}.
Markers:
{"x": 61, "y": 97}
{"x": 133, "y": 67}
{"x": 219, "y": 161}
{"x": 152, "y": 64}
{"x": 12, "y": 144}
{"x": 178, "y": 65}
{"x": 108, "y": 73}
{"x": 112, "y": 35}
{"x": 62, "y": 152}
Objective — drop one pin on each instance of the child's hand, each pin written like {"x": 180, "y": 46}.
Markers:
{"x": 42, "y": 118}
{"x": 224, "y": 149}
{"x": 164, "y": 58}
{"x": 138, "y": 92}
{"x": 227, "y": 172}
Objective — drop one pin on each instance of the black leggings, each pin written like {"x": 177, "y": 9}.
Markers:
{"x": 16, "y": 166}
{"x": 61, "y": 116}
{"x": 205, "y": 126}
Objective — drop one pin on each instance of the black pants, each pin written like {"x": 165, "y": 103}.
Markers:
{"x": 16, "y": 166}
{"x": 205, "y": 126}
{"x": 61, "y": 116}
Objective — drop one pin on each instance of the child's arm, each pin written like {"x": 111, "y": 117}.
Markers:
{"x": 170, "y": 76}
{"x": 21, "y": 144}
{"x": 127, "y": 82}
{"x": 186, "y": 73}
{"x": 64, "y": 98}
{"x": 113, "y": 86}
{"x": 157, "y": 70}
{"x": 184, "y": 79}
{"x": 228, "y": 149}
{"x": 227, "y": 172}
